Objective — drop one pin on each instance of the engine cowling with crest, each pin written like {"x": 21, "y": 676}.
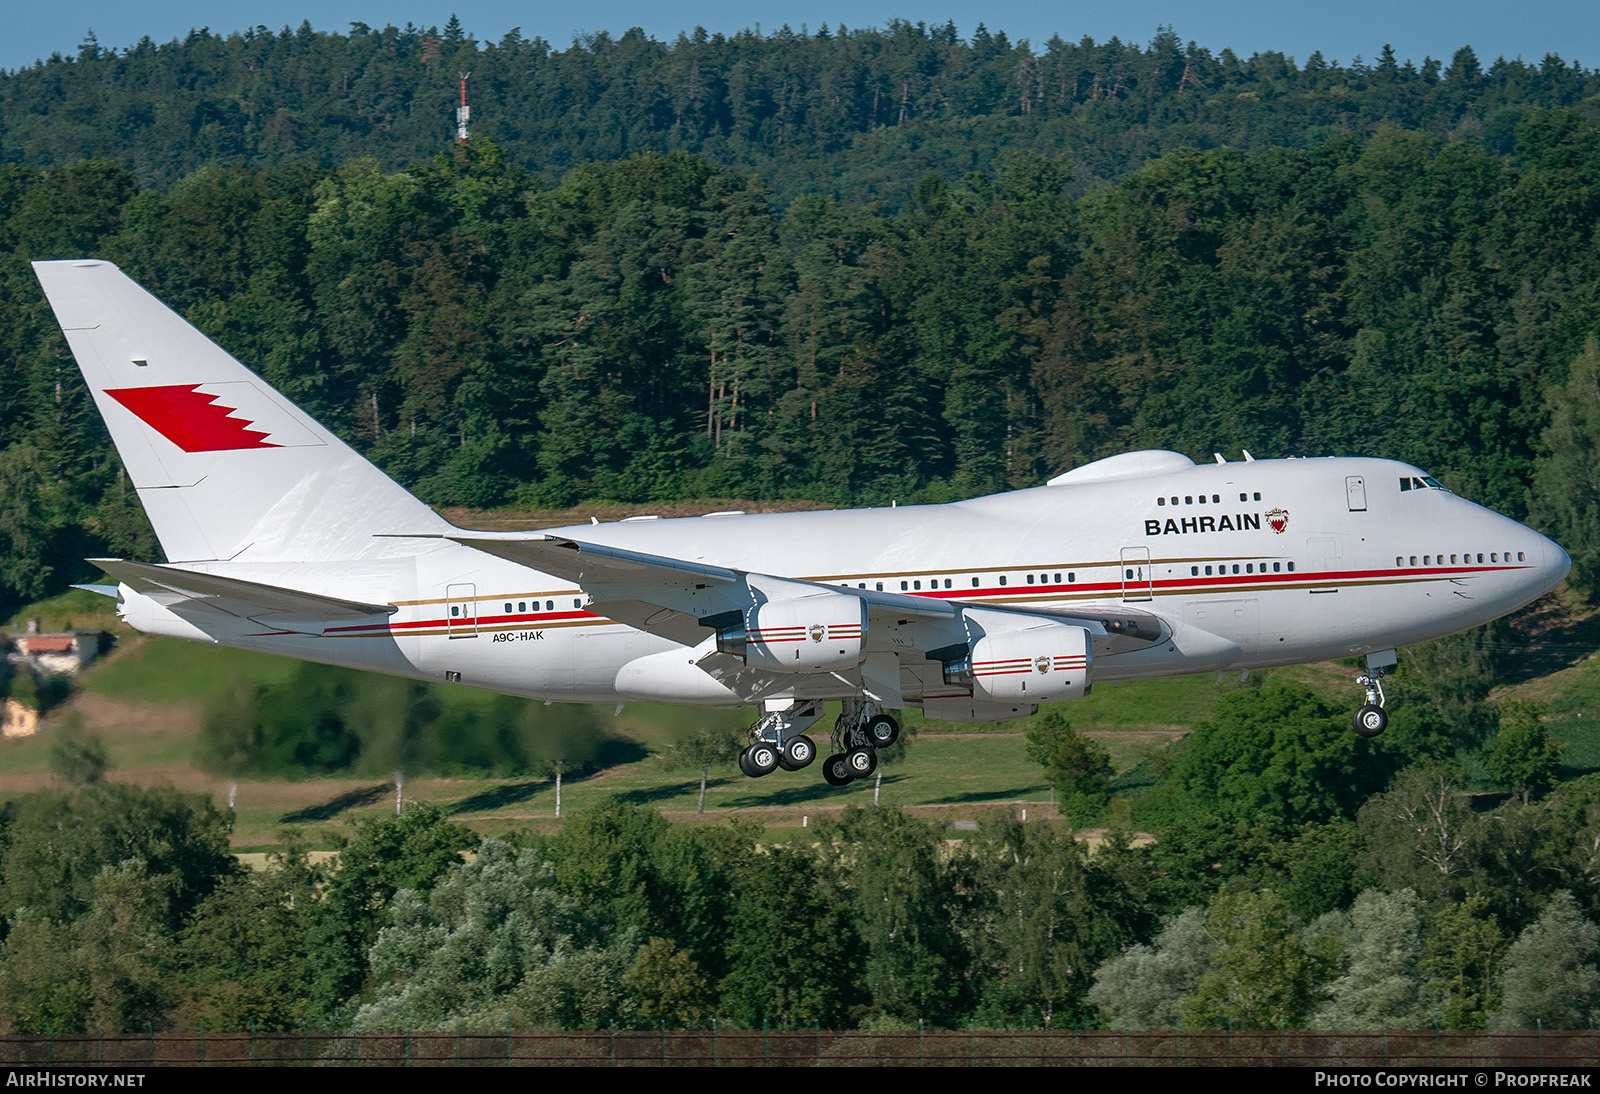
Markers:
{"x": 818, "y": 632}
{"x": 1015, "y": 658}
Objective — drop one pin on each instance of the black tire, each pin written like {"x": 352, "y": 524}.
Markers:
{"x": 834, "y": 771}
{"x": 744, "y": 763}
{"x": 861, "y": 762}
{"x": 763, "y": 759}
{"x": 1370, "y": 720}
{"x": 798, "y": 753}
{"x": 883, "y": 731}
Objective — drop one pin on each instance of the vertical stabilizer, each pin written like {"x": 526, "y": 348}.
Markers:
{"x": 226, "y": 467}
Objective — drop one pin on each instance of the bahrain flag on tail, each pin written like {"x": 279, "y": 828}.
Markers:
{"x": 219, "y": 417}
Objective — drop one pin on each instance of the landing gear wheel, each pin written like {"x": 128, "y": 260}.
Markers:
{"x": 835, "y": 772}
{"x": 744, "y": 763}
{"x": 1371, "y": 720}
{"x": 760, "y": 759}
{"x": 883, "y": 731}
{"x": 798, "y": 753}
{"x": 861, "y": 762}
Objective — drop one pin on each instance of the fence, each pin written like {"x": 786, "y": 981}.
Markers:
{"x": 807, "y": 1048}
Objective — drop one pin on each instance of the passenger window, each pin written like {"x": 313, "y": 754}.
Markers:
{"x": 1413, "y": 560}
{"x": 1399, "y": 560}
{"x": 1258, "y": 495}
{"x": 1002, "y": 579}
{"x": 1291, "y": 567}
{"x": 1452, "y": 560}
{"x": 1243, "y": 497}
{"x": 508, "y": 609}
{"x": 1071, "y": 578}
{"x": 974, "y": 583}
{"x": 1249, "y": 568}
{"x": 1208, "y": 571}
{"x": 1480, "y": 556}
{"x": 1235, "y": 567}
{"x": 1161, "y": 501}
{"x": 1030, "y": 579}
{"x": 947, "y": 583}
{"x": 1194, "y": 571}
{"x": 522, "y": 606}
{"x": 916, "y": 584}
{"x": 1521, "y": 557}
{"x": 1277, "y": 567}
{"x": 1058, "y": 579}
{"x": 904, "y": 586}
{"x": 1493, "y": 557}
{"x": 1128, "y": 574}
{"x": 1188, "y": 499}
{"x": 1216, "y": 499}
{"x": 863, "y": 585}
{"x": 1174, "y": 501}
{"x": 454, "y": 610}
{"x": 1202, "y": 499}
{"x": 549, "y": 605}
{"x": 577, "y": 603}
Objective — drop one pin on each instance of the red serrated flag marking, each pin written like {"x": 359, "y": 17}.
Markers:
{"x": 190, "y": 419}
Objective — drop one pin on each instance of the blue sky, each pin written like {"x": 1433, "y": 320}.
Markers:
{"x": 1340, "y": 30}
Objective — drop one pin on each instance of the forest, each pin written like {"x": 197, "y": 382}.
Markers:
{"x": 846, "y": 267}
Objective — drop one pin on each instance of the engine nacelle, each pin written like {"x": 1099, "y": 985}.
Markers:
{"x": 821, "y": 632}
{"x": 1018, "y": 659}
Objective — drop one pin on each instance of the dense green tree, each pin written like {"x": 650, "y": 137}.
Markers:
{"x": 1145, "y": 986}
{"x": 1379, "y": 982}
{"x": 1522, "y": 753}
{"x": 906, "y": 897}
{"x": 793, "y": 959}
{"x": 1260, "y": 975}
{"x": 494, "y": 939}
{"x": 408, "y": 851}
{"x": 1078, "y": 767}
{"x": 61, "y": 842}
{"x": 1549, "y": 975}
{"x": 1566, "y": 484}
{"x": 1465, "y": 947}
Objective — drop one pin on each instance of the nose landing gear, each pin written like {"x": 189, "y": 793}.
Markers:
{"x": 1371, "y": 719}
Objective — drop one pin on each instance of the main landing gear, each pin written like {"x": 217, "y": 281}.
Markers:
{"x": 861, "y": 730}
{"x": 1371, "y": 719}
{"x": 779, "y": 740}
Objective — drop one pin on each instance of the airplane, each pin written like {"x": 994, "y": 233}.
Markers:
{"x": 280, "y": 538}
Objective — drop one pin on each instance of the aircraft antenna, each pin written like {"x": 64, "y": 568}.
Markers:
{"x": 463, "y": 112}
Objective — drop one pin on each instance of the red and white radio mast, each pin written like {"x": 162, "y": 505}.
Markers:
{"x": 463, "y": 112}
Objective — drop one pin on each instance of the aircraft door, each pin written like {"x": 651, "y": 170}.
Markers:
{"x": 1136, "y": 576}
{"x": 461, "y": 610}
{"x": 1355, "y": 493}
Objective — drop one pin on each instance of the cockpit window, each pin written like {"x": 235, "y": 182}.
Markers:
{"x": 1426, "y": 482}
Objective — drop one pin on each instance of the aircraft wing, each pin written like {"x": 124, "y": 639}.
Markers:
{"x": 670, "y": 596}
{"x": 271, "y": 605}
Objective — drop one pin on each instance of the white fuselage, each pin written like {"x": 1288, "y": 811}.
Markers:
{"x": 1247, "y": 564}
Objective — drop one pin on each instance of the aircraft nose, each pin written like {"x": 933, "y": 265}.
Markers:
{"x": 1557, "y": 563}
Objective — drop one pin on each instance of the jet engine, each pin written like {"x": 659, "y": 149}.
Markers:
{"x": 1013, "y": 658}
{"x": 820, "y": 632}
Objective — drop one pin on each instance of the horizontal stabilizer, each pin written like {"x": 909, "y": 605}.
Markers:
{"x": 179, "y": 589}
